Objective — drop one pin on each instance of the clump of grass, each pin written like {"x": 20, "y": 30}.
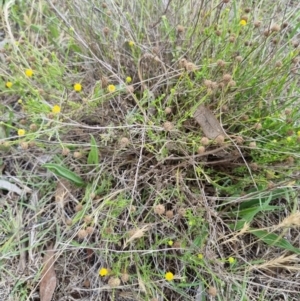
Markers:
{"x": 102, "y": 155}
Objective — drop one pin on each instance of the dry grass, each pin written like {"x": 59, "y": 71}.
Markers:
{"x": 173, "y": 168}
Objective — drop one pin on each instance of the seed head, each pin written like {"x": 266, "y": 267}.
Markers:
{"x": 182, "y": 63}
{"x": 204, "y": 141}
{"x": 220, "y": 140}
{"x": 221, "y": 63}
{"x": 168, "y": 126}
{"x": 247, "y": 10}
{"x": 227, "y": 77}
{"x": 232, "y": 83}
{"x": 168, "y": 110}
{"x": 225, "y": 108}
{"x": 212, "y": 291}
{"x": 290, "y": 160}
{"x": 191, "y": 66}
{"x": 106, "y": 31}
{"x": 125, "y": 277}
{"x": 288, "y": 111}
{"x": 275, "y": 28}
{"x": 181, "y": 211}
{"x": 252, "y": 144}
{"x": 78, "y": 207}
{"x": 90, "y": 230}
{"x": 82, "y": 234}
{"x": 201, "y": 150}
{"x": 218, "y": 33}
{"x": 124, "y": 142}
{"x": 159, "y": 209}
{"x": 257, "y": 24}
{"x": 239, "y": 140}
{"x": 254, "y": 166}
{"x": 278, "y": 64}
{"x": 77, "y": 155}
{"x": 169, "y": 214}
{"x": 65, "y": 151}
{"x": 33, "y": 127}
{"x": 239, "y": 58}
{"x": 207, "y": 83}
{"x": 180, "y": 29}
{"x": 258, "y": 126}
{"x": 114, "y": 282}
{"x": 87, "y": 219}
{"x": 24, "y": 145}
{"x": 232, "y": 39}
{"x": 177, "y": 244}
{"x": 214, "y": 85}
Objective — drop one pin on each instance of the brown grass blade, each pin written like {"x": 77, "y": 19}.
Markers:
{"x": 210, "y": 125}
{"x": 137, "y": 233}
{"x": 48, "y": 279}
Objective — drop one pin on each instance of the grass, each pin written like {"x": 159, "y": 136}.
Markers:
{"x": 104, "y": 159}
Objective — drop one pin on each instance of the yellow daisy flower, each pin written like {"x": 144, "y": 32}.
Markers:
{"x": 29, "y": 72}
{"x": 231, "y": 260}
{"x": 56, "y": 109}
{"x": 21, "y": 132}
{"x": 111, "y": 88}
{"x": 8, "y": 85}
{"x": 103, "y": 272}
{"x": 131, "y": 43}
{"x": 169, "y": 276}
{"x": 77, "y": 87}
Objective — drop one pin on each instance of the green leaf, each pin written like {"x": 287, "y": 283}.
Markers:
{"x": 273, "y": 239}
{"x": 93, "y": 157}
{"x": 64, "y": 173}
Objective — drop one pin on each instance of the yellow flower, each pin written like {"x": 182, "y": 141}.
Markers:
{"x": 111, "y": 88}
{"x": 200, "y": 256}
{"x": 21, "y": 132}
{"x": 298, "y": 133}
{"x": 243, "y": 22}
{"x": 20, "y": 101}
{"x": 128, "y": 79}
{"x": 28, "y": 72}
{"x": 56, "y": 109}
{"x": 103, "y": 272}
{"x": 170, "y": 243}
{"x": 231, "y": 260}
{"x": 131, "y": 43}
{"x": 77, "y": 87}
{"x": 289, "y": 139}
{"x": 8, "y": 84}
{"x": 169, "y": 276}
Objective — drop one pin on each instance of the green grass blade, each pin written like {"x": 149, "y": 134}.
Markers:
{"x": 93, "y": 157}
{"x": 273, "y": 239}
{"x": 64, "y": 173}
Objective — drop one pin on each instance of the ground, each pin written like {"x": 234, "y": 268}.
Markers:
{"x": 149, "y": 150}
